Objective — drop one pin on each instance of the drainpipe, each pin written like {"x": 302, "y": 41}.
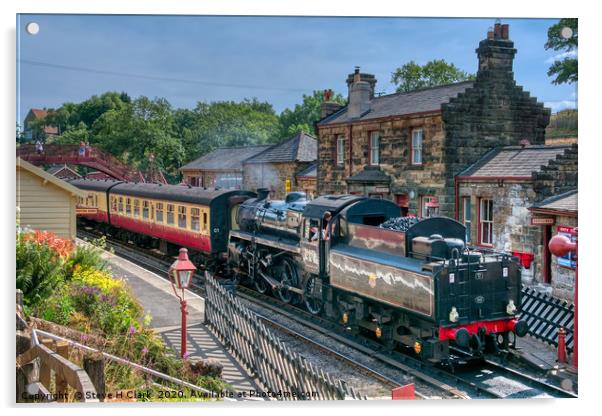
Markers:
{"x": 350, "y": 132}
{"x": 457, "y": 191}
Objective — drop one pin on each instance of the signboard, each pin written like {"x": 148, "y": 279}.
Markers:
{"x": 569, "y": 260}
{"x": 82, "y": 211}
{"x": 542, "y": 220}
{"x": 381, "y": 189}
{"x": 287, "y": 186}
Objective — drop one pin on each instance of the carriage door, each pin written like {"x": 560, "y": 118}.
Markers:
{"x": 310, "y": 243}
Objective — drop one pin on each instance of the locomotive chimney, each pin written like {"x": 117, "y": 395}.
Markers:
{"x": 262, "y": 193}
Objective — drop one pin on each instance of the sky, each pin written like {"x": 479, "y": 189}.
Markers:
{"x": 187, "y": 59}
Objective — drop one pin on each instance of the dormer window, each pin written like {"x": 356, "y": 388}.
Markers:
{"x": 374, "y": 148}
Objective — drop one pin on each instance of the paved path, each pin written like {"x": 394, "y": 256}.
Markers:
{"x": 158, "y": 299}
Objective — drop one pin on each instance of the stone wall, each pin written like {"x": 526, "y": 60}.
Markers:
{"x": 205, "y": 178}
{"x": 494, "y": 112}
{"x": 559, "y": 176}
{"x": 511, "y": 219}
{"x": 272, "y": 176}
{"x": 425, "y": 179}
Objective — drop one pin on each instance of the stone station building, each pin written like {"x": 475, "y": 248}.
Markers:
{"x": 494, "y": 197}
{"x": 276, "y": 168}
{"x": 558, "y": 214}
{"x": 408, "y": 147}
{"x": 221, "y": 167}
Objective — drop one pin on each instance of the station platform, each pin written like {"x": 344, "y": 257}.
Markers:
{"x": 158, "y": 299}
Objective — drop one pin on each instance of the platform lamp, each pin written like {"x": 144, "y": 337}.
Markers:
{"x": 180, "y": 276}
{"x": 560, "y": 246}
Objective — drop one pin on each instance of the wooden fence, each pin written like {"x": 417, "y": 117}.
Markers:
{"x": 285, "y": 374}
{"x": 545, "y": 315}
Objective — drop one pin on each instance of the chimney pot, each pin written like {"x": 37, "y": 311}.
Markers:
{"x": 505, "y": 31}
{"x": 490, "y": 33}
{"x": 497, "y": 30}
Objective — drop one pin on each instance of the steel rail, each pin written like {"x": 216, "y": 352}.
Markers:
{"x": 403, "y": 362}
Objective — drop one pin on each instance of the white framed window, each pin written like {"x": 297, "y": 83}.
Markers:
{"x": 466, "y": 216}
{"x": 340, "y": 150}
{"x": 374, "y": 148}
{"x": 417, "y": 147}
{"x": 486, "y": 221}
{"x": 426, "y": 210}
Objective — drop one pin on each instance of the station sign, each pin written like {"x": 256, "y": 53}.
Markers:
{"x": 542, "y": 220}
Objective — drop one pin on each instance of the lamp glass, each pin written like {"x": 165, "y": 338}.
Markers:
{"x": 184, "y": 276}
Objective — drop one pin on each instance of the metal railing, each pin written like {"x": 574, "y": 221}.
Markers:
{"x": 545, "y": 315}
{"x": 284, "y": 373}
{"x": 70, "y": 153}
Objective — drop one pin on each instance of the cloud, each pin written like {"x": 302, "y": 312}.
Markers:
{"x": 561, "y": 56}
{"x": 556, "y": 106}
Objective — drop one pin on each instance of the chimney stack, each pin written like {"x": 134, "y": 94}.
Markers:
{"x": 369, "y": 78}
{"x": 496, "y": 53}
{"x": 328, "y": 107}
{"x": 360, "y": 94}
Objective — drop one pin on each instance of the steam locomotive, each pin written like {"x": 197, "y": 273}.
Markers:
{"x": 422, "y": 288}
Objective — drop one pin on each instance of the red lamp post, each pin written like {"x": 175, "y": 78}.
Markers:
{"x": 180, "y": 276}
{"x": 561, "y": 245}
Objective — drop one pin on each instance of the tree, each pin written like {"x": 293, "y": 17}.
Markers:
{"x": 227, "y": 123}
{"x": 565, "y": 63}
{"x": 412, "y": 76}
{"x": 135, "y": 131}
{"x": 70, "y": 115}
{"x": 305, "y": 115}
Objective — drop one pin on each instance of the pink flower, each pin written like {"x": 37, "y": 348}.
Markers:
{"x": 186, "y": 355}
{"x": 144, "y": 351}
{"x": 84, "y": 337}
{"x": 132, "y": 330}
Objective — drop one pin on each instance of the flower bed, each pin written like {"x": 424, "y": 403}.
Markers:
{"x": 70, "y": 285}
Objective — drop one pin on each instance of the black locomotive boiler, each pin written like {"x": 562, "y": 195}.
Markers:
{"x": 422, "y": 288}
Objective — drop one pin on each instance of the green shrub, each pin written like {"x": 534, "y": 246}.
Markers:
{"x": 39, "y": 270}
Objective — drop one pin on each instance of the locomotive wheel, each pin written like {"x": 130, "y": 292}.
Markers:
{"x": 313, "y": 305}
{"x": 260, "y": 285}
{"x": 286, "y": 273}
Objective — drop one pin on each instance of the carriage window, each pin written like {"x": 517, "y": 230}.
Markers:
{"x": 121, "y": 204}
{"x": 159, "y": 212}
{"x": 145, "y": 209}
{"x": 136, "y": 207}
{"x": 170, "y": 218}
{"x": 113, "y": 203}
{"x": 182, "y": 217}
{"x": 128, "y": 206}
{"x": 195, "y": 219}
{"x": 205, "y": 221}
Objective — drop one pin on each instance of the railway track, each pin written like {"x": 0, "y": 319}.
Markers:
{"x": 489, "y": 380}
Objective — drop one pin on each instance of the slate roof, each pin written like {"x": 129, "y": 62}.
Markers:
{"x": 53, "y": 170}
{"x": 513, "y": 161}
{"x": 225, "y": 158}
{"x": 300, "y": 148}
{"x": 369, "y": 175}
{"x": 310, "y": 172}
{"x": 419, "y": 101}
{"x": 565, "y": 202}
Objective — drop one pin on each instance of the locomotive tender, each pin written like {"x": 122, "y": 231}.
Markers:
{"x": 421, "y": 288}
